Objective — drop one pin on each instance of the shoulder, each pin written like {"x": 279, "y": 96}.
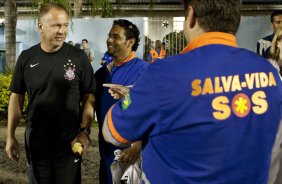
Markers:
{"x": 32, "y": 50}
{"x": 75, "y": 53}
{"x": 73, "y": 50}
{"x": 101, "y": 70}
{"x": 266, "y": 38}
{"x": 29, "y": 53}
{"x": 139, "y": 62}
{"x": 101, "y": 73}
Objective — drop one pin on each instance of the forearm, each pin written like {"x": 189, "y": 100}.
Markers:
{"x": 108, "y": 136}
{"x": 91, "y": 57}
{"x": 137, "y": 145}
{"x": 14, "y": 113}
{"x": 88, "y": 110}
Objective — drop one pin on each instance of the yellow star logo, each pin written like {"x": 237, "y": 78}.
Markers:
{"x": 241, "y": 105}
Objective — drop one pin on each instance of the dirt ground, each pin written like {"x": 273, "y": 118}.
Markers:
{"x": 15, "y": 173}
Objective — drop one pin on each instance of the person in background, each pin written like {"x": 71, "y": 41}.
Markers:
{"x": 157, "y": 52}
{"x": 70, "y": 42}
{"x": 60, "y": 86}
{"x": 124, "y": 69}
{"x": 77, "y": 45}
{"x": 146, "y": 52}
{"x": 275, "y": 55}
{"x": 275, "y": 58}
{"x": 263, "y": 45}
{"x": 107, "y": 59}
{"x": 163, "y": 49}
{"x": 209, "y": 117}
{"x": 89, "y": 52}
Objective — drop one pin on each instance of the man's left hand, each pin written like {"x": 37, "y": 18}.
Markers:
{"x": 131, "y": 154}
{"x": 84, "y": 139}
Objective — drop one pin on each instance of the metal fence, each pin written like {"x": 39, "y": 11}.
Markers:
{"x": 167, "y": 29}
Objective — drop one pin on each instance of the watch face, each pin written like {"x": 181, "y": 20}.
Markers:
{"x": 86, "y": 130}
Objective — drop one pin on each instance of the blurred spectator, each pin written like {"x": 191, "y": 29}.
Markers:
{"x": 77, "y": 45}
{"x": 263, "y": 45}
{"x": 89, "y": 52}
{"x": 70, "y": 42}
{"x": 156, "y": 52}
{"x": 106, "y": 59}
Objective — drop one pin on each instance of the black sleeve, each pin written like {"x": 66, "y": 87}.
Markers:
{"x": 18, "y": 83}
{"x": 100, "y": 77}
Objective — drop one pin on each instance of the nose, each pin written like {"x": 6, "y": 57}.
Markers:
{"x": 61, "y": 29}
{"x": 109, "y": 40}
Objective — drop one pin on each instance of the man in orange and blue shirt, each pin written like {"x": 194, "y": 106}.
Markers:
{"x": 124, "y": 69}
{"x": 214, "y": 119}
{"x": 158, "y": 52}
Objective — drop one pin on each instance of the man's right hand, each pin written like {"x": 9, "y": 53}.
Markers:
{"x": 117, "y": 91}
{"x": 13, "y": 149}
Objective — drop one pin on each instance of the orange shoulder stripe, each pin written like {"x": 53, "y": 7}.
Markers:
{"x": 112, "y": 129}
{"x": 129, "y": 57}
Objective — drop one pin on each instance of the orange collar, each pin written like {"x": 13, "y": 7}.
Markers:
{"x": 211, "y": 38}
{"x": 131, "y": 56}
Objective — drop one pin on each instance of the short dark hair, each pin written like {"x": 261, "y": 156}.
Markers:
{"x": 274, "y": 14}
{"x": 85, "y": 40}
{"x": 131, "y": 31}
{"x": 216, "y": 15}
{"x": 45, "y": 8}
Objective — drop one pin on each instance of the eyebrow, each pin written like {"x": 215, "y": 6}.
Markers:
{"x": 114, "y": 34}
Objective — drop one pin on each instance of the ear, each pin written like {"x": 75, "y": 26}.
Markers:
{"x": 191, "y": 18}
{"x": 131, "y": 42}
{"x": 272, "y": 26}
{"x": 40, "y": 27}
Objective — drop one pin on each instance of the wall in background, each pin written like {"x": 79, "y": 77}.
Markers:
{"x": 96, "y": 31}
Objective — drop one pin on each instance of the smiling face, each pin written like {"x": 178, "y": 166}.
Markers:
{"x": 118, "y": 45}
{"x": 54, "y": 29}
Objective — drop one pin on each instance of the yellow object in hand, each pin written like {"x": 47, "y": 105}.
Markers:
{"x": 77, "y": 148}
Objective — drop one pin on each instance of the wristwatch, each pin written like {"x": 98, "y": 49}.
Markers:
{"x": 87, "y": 130}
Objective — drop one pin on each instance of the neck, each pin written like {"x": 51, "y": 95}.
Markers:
{"x": 47, "y": 48}
{"x": 125, "y": 60}
{"x": 122, "y": 57}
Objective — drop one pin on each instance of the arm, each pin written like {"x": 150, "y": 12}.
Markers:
{"x": 118, "y": 91}
{"x": 14, "y": 115}
{"x": 110, "y": 134}
{"x": 135, "y": 117}
{"x": 91, "y": 55}
{"x": 88, "y": 102}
